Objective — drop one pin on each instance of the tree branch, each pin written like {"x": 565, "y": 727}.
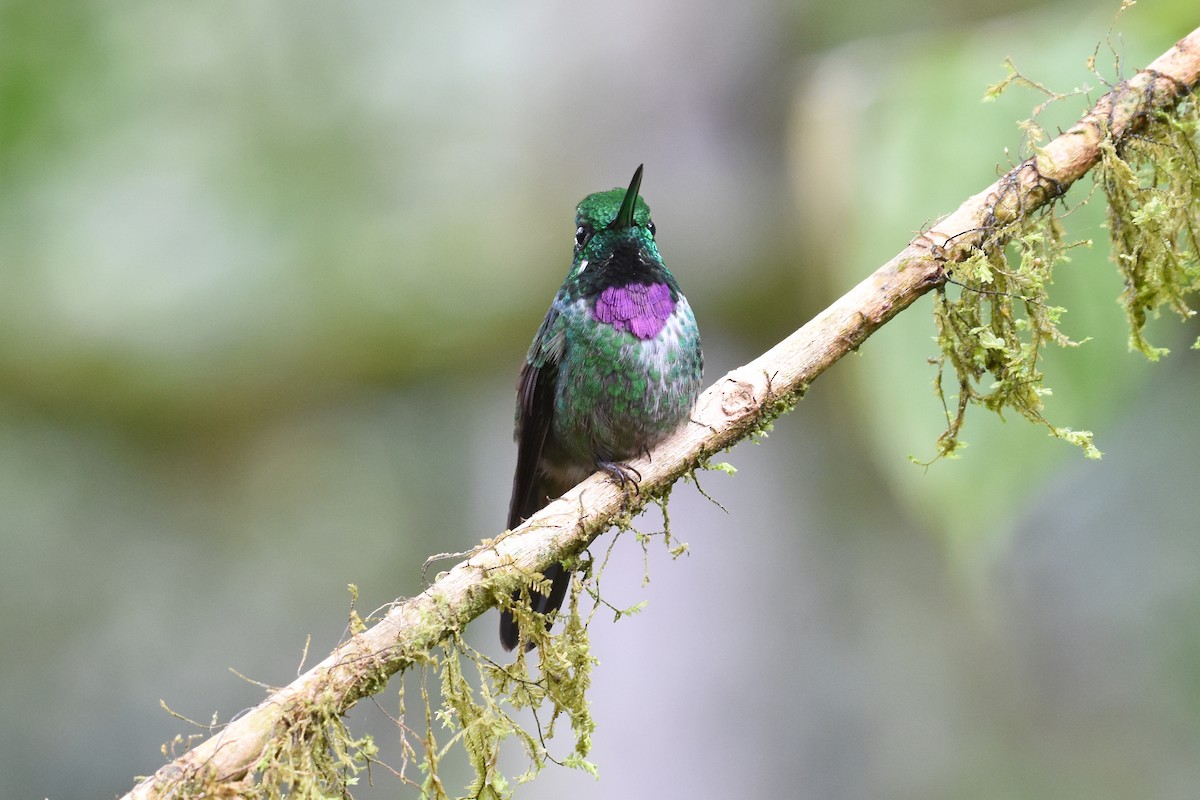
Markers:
{"x": 732, "y": 409}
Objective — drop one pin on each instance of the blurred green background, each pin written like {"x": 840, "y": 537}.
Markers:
{"x": 269, "y": 270}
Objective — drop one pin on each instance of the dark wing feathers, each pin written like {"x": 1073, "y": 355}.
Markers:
{"x": 535, "y": 413}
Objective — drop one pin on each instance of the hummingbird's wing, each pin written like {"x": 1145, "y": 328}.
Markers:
{"x": 535, "y": 414}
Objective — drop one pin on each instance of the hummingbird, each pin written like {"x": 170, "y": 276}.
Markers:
{"x": 614, "y": 368}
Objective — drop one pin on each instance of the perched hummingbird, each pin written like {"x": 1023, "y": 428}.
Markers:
{"x": 613, "y": 369}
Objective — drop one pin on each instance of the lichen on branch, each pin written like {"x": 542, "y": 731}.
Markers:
{"x": 1152, "y": 182}
{"x": 994, "y": 319}
{"x": 993, "y": 313}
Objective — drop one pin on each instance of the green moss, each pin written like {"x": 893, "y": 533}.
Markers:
{"x": 1152, "y": 182}
{"x": 994, "y": 321}
{"x": 312, "y": 754}
{"x": 994, "y": 317}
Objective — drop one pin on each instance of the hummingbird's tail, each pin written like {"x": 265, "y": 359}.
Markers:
{"x": 560, "y": 579}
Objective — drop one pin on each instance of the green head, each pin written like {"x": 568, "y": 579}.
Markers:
{"x": 617, "y": 208}
{"x": 609, "y": 226}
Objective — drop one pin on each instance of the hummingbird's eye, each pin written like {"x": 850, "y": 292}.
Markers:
{"x": 582, "y": 234}
{"x": 650, "y": 226}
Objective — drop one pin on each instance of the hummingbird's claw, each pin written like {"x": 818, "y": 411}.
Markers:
{"x": 622, "y": 474}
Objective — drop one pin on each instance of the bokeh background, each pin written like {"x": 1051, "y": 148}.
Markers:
{"x": 268, "y": 271}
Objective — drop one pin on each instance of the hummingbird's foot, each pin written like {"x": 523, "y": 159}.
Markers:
{"x": 622, "y": 474}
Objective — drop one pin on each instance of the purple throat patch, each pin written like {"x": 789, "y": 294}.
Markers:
{"x": 640, "y": 309}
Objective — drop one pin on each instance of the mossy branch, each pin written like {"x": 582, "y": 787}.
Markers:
{"x": 262, "y": 744}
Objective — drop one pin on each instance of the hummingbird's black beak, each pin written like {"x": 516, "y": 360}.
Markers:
{"x": 624, "y": 217}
